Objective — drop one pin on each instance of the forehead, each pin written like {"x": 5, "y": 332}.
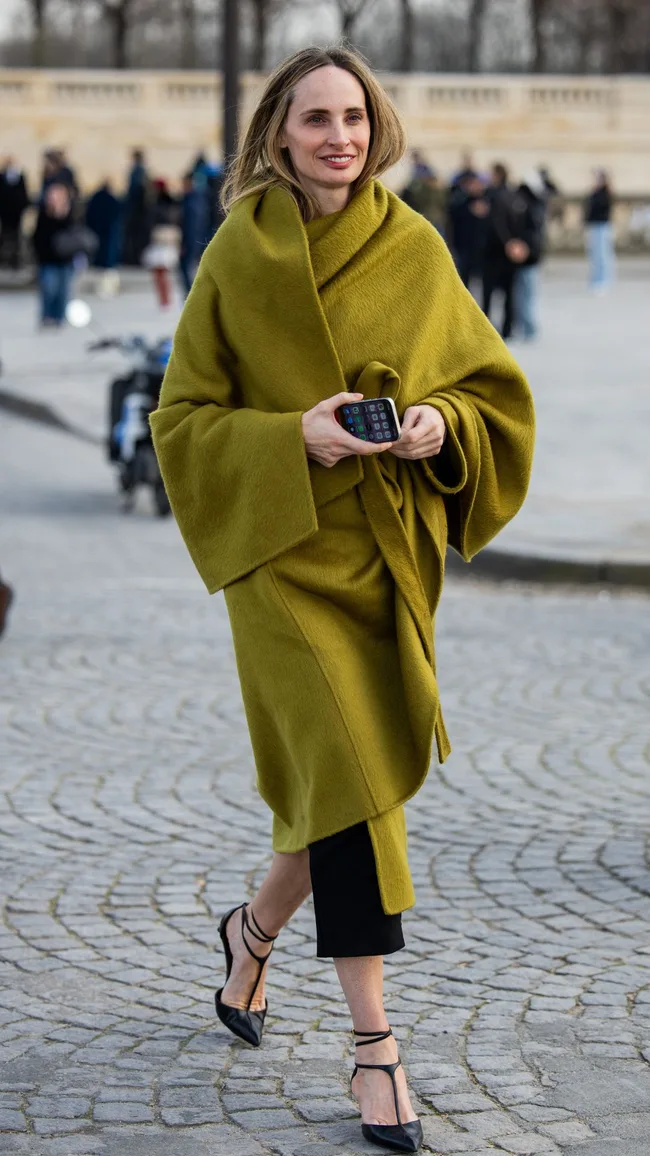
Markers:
{"x": 329, "y": 87}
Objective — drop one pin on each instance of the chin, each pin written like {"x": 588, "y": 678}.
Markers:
{"x": 340, "y": 180}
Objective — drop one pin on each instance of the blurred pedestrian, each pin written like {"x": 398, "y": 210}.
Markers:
{"x": 467, "y": 216}
{"x": 209, "y": 176}
{"x": 500, "y": 265}
{"x": 600, "y": 240}
{"x": 14, "y": 199}
{"x": 420, "y": 167}
{"x": 530, "y": 219}
{"x": 6, "y": 598}
{"x": 57, "y": 171}
{"x": 195, "y": 228}
{"x": 466, "y": 172}
{"x": 161, "y": 256}
{"x": 137, "y": 211}
{"x": 551, "y": 187}
{"x": 426, "y": 195}
{"x": 53, "y": 254}
{"x": 104, "y": 217}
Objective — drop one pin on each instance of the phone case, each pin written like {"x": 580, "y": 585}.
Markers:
{"x": 372, "y": 420}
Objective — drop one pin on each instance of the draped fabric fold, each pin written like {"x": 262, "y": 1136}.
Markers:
{"x": 332, "y": 577}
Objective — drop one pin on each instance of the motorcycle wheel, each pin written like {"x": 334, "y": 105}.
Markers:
{"x": 126, "y": 481}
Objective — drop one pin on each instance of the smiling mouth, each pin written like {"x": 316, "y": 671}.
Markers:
{"x": 338, "y": 159}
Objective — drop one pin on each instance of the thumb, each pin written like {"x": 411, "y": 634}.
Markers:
{"x": 410, "y": 419}
{"x": 332, "y": 403}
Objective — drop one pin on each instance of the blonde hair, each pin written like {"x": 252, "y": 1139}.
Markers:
{"x": 261, "y": 163}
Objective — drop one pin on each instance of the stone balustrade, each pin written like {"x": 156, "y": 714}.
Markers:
{"x": 571, "y": 124}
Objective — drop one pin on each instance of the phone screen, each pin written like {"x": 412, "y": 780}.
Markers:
{"x": 372, "y": 420}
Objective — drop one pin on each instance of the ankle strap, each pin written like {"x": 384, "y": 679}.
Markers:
{"x": 378, "y": 1037}
{"x": 259, "y": 934}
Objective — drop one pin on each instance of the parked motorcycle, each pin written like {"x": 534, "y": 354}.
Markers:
{"x": 131, "y": 399}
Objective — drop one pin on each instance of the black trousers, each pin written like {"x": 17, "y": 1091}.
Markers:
{"x": 350, "y": 919}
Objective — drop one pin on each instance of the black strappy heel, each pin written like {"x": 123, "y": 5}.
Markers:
{"x": 399, "y": 1137}
{"x": 248, "y": 1025}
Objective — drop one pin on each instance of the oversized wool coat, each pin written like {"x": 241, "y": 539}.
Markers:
{"x": 332, "y": 576}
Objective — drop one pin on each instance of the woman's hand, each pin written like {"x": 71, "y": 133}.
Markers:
{"x": 326, "y": 441}
{"x": 423, "y": 433}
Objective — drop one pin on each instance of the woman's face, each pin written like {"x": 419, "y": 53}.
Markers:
{"x": 57, "y": 201}
{"x": 327, "y": 130}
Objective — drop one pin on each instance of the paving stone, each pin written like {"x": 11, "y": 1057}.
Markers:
{"x": 260, "y": 1120}
{"x": 567, "y": 1131}
{"x": 126, "y": 1113}
{"x": 528, "y": 1145}
{"x": 11, "y": 1121}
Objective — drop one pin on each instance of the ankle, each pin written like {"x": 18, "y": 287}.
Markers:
{"x": 255, "y": 934}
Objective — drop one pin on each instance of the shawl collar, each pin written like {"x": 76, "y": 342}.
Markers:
{"x": 359, "y": 221}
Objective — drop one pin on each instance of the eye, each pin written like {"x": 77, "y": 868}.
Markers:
{"x": 315, "y": 119}
{"x": 355, "y": 116}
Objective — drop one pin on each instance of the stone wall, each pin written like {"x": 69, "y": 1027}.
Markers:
{"x": 570, "y": 124}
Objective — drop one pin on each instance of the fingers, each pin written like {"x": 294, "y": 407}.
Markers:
{"x": 365, "y": 448}
{"x": 332, "y": 403}
{"x": 359, "y": 446}
{"x": 410, "y": 420}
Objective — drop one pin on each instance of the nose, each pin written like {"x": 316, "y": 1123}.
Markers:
{"x": 338, "y": 135}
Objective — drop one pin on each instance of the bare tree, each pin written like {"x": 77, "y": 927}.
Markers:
{"x": 260, "y": 34}
{"x": 407, "y": 36}
{"x": 349, "y": 12}
{"x": 118, "y": 13}
{"x": 620, "y": 17}
{"x": 37, "y": 12}
{"x": 477, "y": 12}
{"x": 539, "y": 11}
{"x": 187, "y": 15}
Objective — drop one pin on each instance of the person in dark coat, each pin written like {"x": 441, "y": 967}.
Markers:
{"x": 211, "y": 176}
{"x": 600, "y": 239}
{"x": 14, "y": 199}
{"x": 467, "y": 215}
{"x": 103, "y": 216}
{"x": 530, "y": 220}
{"x": 138, "y": 211}
{"x": 55, "y": 264}
{"x": 57, "y": 171}
{"x": 502, "y": 257}
{"x": 195, "y": 227}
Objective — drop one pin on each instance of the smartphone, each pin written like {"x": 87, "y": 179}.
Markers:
{"x": 373, "y": 420}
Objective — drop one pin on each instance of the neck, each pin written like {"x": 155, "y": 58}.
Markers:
{"x": 331, "y": 200}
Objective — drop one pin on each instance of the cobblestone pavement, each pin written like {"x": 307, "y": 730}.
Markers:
{"x": 130, "y": 822}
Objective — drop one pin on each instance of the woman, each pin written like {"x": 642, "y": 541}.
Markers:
{"x": 600, "y": 242}
{"x": 161, "y": 256}
{"x": 54, "y": 257}
{"x": 319, "y": 289}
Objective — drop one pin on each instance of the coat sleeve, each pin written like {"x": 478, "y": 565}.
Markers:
{"x": 237, "y": 479}
{"x": 487, "y": 405}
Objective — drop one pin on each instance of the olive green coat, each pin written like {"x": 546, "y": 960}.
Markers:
{"x": 332, "y": 577}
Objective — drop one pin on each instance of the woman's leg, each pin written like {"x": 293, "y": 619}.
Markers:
{"x": 353, "y": 928}
{"x": 362, "y": 980}
{"x": 285, "y": 888}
